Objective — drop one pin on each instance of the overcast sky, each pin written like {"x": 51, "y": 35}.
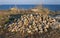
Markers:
{"x": 29, "y": 1}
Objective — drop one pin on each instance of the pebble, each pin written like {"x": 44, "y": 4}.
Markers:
{"x": 33, "y": 23}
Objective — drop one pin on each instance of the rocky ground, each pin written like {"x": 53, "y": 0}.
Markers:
{"x": 29, "y": 25}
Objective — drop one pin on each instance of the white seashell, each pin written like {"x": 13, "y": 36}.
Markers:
{"x": 29, "y": 26}
{"x": 12, "y": 30}
{"x": 47, "y": 26}
{"x": 29, "y": 31}
{"x": 36, "y": 29}
{"x": 59, "y": 25}
{"x": 31, "y": 15}
{"x": 41, "y": 31}
{"x": 45, "y": 30}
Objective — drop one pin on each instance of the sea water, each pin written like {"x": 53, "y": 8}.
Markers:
{"x": 51, "y": 7}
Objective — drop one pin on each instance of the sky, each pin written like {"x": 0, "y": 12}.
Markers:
{"x": 29, "y": 1}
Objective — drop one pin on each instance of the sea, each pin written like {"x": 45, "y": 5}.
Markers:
{"x": 51, "y": 7}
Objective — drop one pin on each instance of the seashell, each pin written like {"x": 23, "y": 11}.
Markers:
{"x": 29, "y": 31}
{"x": 45, "y": 30}
{"x": 33, "y": 23}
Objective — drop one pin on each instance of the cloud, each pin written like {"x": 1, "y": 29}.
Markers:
{"x": 19, "y": 1}
{"x": 29, "y": 1}
{"x": 51, "y": 2}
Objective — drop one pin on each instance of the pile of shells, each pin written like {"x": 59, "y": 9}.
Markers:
{"x": 31, "y": 23}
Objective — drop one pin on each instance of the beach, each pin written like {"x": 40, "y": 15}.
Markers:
{"x": 37, "y": 22}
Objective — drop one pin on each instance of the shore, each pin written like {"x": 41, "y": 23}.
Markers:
{"x": 32, "y": 23}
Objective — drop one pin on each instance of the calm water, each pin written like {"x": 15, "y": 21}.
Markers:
{"x": 51, "y": 7}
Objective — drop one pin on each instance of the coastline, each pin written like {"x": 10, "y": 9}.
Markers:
{"x": 22, "y": 23}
